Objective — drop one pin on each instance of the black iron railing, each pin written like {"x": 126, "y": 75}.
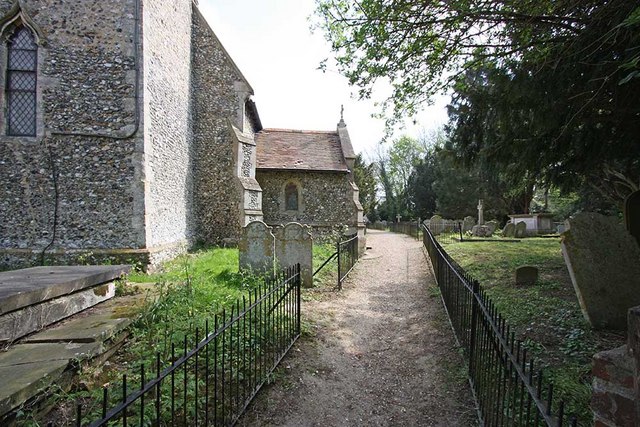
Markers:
{"x": 447, "y": 231}
{"x": 410, "y": 228}
{"x": 347, "y": 253}
{"x": 213, "y": 382}
{"x": 507, "y": 386}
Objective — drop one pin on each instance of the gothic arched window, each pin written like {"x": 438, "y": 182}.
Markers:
{"x": 20, "y": 84}
{"x": 291, "y": 197}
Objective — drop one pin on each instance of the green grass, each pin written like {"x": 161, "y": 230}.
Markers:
{"x": 546, "y": 315}
{"x": 188, "y": 291}
{"x": 329, "y": 272}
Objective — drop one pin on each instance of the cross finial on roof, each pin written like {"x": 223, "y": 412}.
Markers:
{"x": 341, "y": 122}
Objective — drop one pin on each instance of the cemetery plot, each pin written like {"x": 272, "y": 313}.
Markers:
{"x": 546, "y": 315}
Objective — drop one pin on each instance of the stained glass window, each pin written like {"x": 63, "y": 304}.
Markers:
{"x": 20, "y": 85}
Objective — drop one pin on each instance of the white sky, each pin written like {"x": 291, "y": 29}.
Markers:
{"x": 272, "y": 44}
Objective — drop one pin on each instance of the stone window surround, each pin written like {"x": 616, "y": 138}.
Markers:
{"x": 283, "y": 200}
{"x": 16, "y": 18}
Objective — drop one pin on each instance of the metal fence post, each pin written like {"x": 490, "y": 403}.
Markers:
{"x": 298, "y": 297}
{"x": 474, "y": 326}
{"x": 339, "y": 278}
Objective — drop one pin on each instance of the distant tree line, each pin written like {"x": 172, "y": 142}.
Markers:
{"x": 418, "y": 178}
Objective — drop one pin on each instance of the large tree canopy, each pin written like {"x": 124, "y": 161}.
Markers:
{"x": 547, "y": 88}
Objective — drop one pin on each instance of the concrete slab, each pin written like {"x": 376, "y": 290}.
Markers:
{"x": 20, "y": 383}
{"x": 28, "y": 369}
{"x": 24, "y": 354}
{"x": 21, "y": 288}
{"x": 42, "y": 359}
{"x": 105, "y": 321}
{"x": 35, "y": 317}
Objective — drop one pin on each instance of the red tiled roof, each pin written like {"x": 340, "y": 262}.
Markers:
{"x": 299, "y": 150}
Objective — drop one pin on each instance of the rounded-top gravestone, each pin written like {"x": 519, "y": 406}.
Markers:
{"x": 436, "y": 225}
{"x": 521, "y": 229}
{"x": 509, "y": 230}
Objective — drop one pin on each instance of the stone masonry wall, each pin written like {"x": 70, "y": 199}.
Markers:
{"x": 616, "y": 380}
{"x": 325, "y": 199}
{"x": 217, "y": 96}
{"x": 167, "y": 122}
{"x": 86, "y": 96}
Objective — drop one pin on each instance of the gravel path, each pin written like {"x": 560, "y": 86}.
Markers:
{"x": 379, "y": 353}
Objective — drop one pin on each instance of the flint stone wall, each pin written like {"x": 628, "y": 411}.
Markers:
{"x": 117, "y": 190}
{"x": 325, "y": 199}
{"x": 167, "y": 121}
{"x": 86, "y": 85}
{"x": 218, "y": 93}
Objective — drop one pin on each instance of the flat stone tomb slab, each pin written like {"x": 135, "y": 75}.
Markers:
{"x": 33, "y": 298}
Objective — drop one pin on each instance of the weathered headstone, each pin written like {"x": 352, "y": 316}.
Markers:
{"x": 436, "y": 225}
{"x": 603, "y": 260}
{"x": 257, "y": 248}
{"x": 509, "y": 230}
{"x": 467, "y": 223}
{"x": 632, "y": 214}
{"x": 526, "y": 275}
{"x": 493, "y": 225}
{"x": 480, "y": 213}
{"x": 480, "y": 231}
{"x": 294, "y": 245}
{"x": 521, "y": 229}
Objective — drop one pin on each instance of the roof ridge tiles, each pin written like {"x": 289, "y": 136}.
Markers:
{"x": 321, "y": 132}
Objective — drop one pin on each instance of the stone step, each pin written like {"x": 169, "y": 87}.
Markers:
{"x": 33, "y": 298}
{"x": 31, "y": 366}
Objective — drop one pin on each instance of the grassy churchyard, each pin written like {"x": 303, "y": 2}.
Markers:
{"x": 546, "y": 316}
{"x": 180, "y": 298}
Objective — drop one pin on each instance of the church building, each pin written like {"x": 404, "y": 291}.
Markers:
{"x": 129, "y": 134}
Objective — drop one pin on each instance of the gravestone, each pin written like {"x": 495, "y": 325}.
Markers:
{"x": 257, "y": 248}
{"x": 481, "y": 231}
{"x": 603, "y": 260}
{"x": 632, "y": 214}
{"x": 480, "y": 213}
{"x": 526, "y": 275}
{"x": 294, "y": 245}
{"x": 521, "y": 229}
{"x": 467, "y": 223}
{"x": 509, "y": 230}
{"x": 436, "y": 225}
{"x": 493, "y": 226}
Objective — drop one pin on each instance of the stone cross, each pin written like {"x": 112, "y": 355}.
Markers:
{"x": 398, "y": 217}
{"x": 480, "y": 213}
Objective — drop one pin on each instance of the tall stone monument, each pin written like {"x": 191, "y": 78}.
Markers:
{"x": 480, "y": 213}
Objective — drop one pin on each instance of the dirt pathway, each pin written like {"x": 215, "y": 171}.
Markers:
{"x": 380, "y": 353}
